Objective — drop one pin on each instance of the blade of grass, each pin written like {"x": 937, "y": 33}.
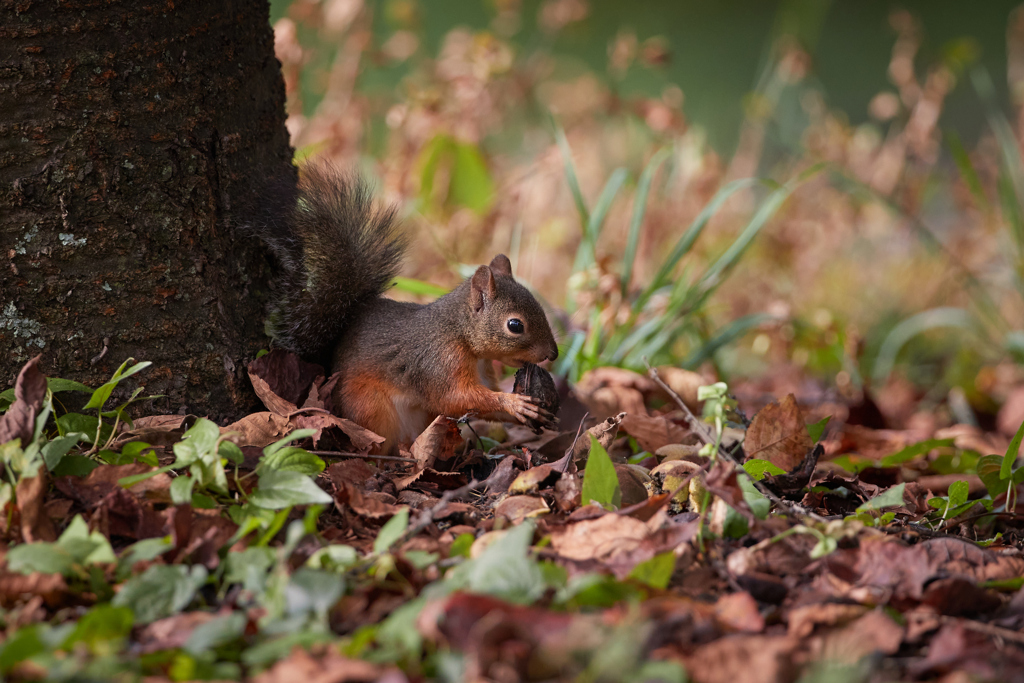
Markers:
{"x": 716, "y": 274}
{"x": 967, "y": 170}
{"x": 1006, "y": 469}
{"x": 643, "y": 189}
{"x": 911, "y": 327}
{"x": 730, "y": 333}
{"x": 685, "y": 243}
{"x": 570, "y": 173}
{"x": 586, "y": 254}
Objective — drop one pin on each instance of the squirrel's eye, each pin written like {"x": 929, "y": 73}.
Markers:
{"x": 515, "y": 326}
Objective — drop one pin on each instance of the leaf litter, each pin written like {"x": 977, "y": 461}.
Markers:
{"x": 644, "y": 544}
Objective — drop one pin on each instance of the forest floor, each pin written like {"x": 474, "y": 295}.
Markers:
{"x": 664, "y": 538}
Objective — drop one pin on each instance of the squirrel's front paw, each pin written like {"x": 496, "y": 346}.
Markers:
{"x": 526, "y": 410}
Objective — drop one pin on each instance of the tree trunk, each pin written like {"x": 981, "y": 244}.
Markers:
{"x": 128, "y": 130}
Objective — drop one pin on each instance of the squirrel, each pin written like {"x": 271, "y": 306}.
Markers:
{"x": 401, "y": 364}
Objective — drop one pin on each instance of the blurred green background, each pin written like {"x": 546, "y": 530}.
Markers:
{"x": 801, "y": 195}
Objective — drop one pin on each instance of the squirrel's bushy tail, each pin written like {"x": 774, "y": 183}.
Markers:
{"x": 337, "y": 249}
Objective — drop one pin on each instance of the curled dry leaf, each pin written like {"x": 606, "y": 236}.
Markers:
{"x": 259, "y": 429}
{"x": 362, "y": 438}
{"x": 437, "y": 442}
{"x": 16, "y": 587}
{"x": 282, "y": 380}
{"x": 517, "y": 508}
{"x": 873, "y": 633}
{"x": 19, "y": 422}
{"x": 36, "y": 525}
{"x": 778, "y": 434}
{"x": 533, "y": 479}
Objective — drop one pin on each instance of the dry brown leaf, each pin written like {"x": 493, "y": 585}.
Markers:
{"x": 331, "y": 667}
{"x": 653, "y": 433}
{"x": 517, "y": 508}
{"x": 282, "y": 380}
{"x": 17, "y": 587}
{"x": 170, "y": 633}
{"x": 607, "y": 391}
{"x": 739, "y": 612}
{"x": 437, "y": 442}
{"x": 778, "y": 434}
{"x": 750, "y": 659}
{"x": 259, "y": 429}
{"x": 533, "y": 479}
{"x": 19, "y": 422}
{"x": 875, "y": 632}
{"x": 362, "y": 439}
{"x": 36, "y": 525}
{"x": 600, "y": 538}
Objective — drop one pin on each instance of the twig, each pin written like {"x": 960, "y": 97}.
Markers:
{"x": 572, "y": 447}
{"x": 970, "y": 624}
{"x": 364, "y": 456}
{"x": 704, "y": 435}
{"x": 310, "y": 409}
{"x": 425, "y": 519}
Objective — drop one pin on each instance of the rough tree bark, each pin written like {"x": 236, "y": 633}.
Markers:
{"x": 128, "y": 130}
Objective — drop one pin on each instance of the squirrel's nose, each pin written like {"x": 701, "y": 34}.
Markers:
{"x": 554, "y": 354}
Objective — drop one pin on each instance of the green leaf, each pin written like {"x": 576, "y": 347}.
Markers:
{"x": 70, "y": 423}
{"x": 25, "y": 643}
{"x": 1012, "y": 451}
{"x": 216, "y": 633}
{"x": 128, "y": 482}
{"x": 53, "y": 451}
{"x": 102, "y": 625}
{"x": 461, "y": 545}
{"x": 914, "y": 450}
{"x": 600, "y": 482}
{"x": 142, "y": 551}
{"x": 657, "y": 571}
{"x": 817, "y": 429}
{"x": 181, "y": 489}
{"x": 140, "y": 451}
{"x": 249, "y": 567}
{"x": 280, "y": 489}
{"x": 989, "y": 468}
{"x": 958, "y": 492}
{"x": 890, "y": 498}
{"x": 197, "y": 442}
{"x": 230, "y": 451}
{"x": 504, "y": 569}
{"x": 57, "y": 385}
{"x": 160, "y": 591}
{"x": 75, "y": 466}
{"x": 100, "y": 396}
{"x": 758, "y": 469}
{"x": 333, "y": 558}
{"x": 293, "y": 459}
{"x": 46, "y": 558}
{"x": 297, "y": 435}
{"x": 311, "y": 593}
{"x": 391, "y": 531}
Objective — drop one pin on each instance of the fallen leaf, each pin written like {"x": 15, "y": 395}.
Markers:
{"x": 259, "y": 429}
{"x": 36, "y": 525}
{"x": 779, "y": 435}
{"x": 19, "y": 422}
{"x": 517, "y": 508}
{"x": 282, "y": 380}
{"x": 437, "y": 442}
{"x": 750, "y": 659}
{"x": 328, "y": 667}
{"x": 653, "y": 433}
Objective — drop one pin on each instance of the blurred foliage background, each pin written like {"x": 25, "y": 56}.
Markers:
{"x": 820, "y": 197}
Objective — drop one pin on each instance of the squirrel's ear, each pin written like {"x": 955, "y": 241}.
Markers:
{"x": 481, "y": 288}
{"x": 501, "y": 265}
